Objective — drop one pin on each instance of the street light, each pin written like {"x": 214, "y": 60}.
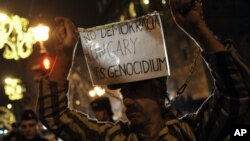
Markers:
{"x": 3, "y": 17}
{"x": 92, "y": 93}
{"x": 97, "y": 91}
{"x": 9, "y": 106}
{"x": 41, "y": 34}
{"x": 146, "y": 2}
{"x": 163, "y": 1}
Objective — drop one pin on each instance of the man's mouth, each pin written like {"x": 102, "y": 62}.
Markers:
{"x": 132, "y": 112}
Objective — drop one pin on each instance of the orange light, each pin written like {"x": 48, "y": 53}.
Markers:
{"x": 46, "y": 63}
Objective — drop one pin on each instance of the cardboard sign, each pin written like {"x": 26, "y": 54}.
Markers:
{"x": 126, "y": 51}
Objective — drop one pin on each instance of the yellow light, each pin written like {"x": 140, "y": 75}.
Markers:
{"x": 99, "y": 91}
{"x": 78, "y": 102}
{"x": 146, "y": 2}
{"x": 122, "y": 18}
{"x": 8, "y": 80}
{"x": 41, "y": 32}
{"x": 13, "y": 88}
{"x": 3, "y": 17}
{"x": 92, "y": 93}
{"x": 163, "y": 1}
{"x": 16, "y": 38}
{"x": 9, "y": 106}
{"x": 46, "y": 63}
{"x": 132, "y": 11}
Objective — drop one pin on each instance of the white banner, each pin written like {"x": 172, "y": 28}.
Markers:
{"x": 126, "y": 51}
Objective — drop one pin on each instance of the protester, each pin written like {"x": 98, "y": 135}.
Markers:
{"x": 29, "y": 127}
{"x": 149, "y": 119}
{"x": 14, "y": 134}
{"x": 102, "y": 109}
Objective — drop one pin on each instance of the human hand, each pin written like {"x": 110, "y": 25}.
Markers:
{"x": 65, "y": 36}
{"x": 187, "y": 14}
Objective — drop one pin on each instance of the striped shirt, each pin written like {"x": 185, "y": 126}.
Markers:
{"x": 229, "y": 104}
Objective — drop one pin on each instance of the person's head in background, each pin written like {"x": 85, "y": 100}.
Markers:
{"x": 29, "y": 124}
{"x": 102, "y": 109}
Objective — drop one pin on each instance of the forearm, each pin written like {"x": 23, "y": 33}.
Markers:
{"x": 61, "y": 68}
{"x": 205, "y": 39}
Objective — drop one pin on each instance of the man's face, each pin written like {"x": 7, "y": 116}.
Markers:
{"x": 101, "y": 115}
{"x": 29, "y": 128}
{"x": 141, "y": 102}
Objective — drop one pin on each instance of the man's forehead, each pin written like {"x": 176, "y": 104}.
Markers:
{"x": 156, "y": 81}
{"x": 28, "y": 121}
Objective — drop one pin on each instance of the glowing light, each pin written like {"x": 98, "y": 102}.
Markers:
{"x": 132, "y": 11}
{"x": 99, "y": 91}
{"x": 163, "y": 1}
{"x": 78, "y": 102}
{"x": 3, "y": 17}
{"x": 44, "y": 127}
{"x": 46, "y": 63}
{"x": 146, "y": 2}
{"x": 41, "y": 32}
{"x": 9, "y": 106}
{"x": 92, "y": 93}
{"x": 8, "y": 80}
{"x": 13, "y": 88}
{"x": 17, "y": 39}
{"x": 122, "y": 18}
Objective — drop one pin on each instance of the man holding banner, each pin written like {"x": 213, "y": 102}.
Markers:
{"x": 144, "y": 100}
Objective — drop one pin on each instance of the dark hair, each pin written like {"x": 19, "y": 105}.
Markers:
{"x": 29, "y": 115}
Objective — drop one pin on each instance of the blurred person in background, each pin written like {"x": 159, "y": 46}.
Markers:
{"x": 102, "y": 109}
{"x": 14, "y": 134}
{"x": 29, "y": 127}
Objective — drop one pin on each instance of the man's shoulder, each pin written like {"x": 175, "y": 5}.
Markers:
{"x": 183, "y": 126}
{"x": 190, "y": 119}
